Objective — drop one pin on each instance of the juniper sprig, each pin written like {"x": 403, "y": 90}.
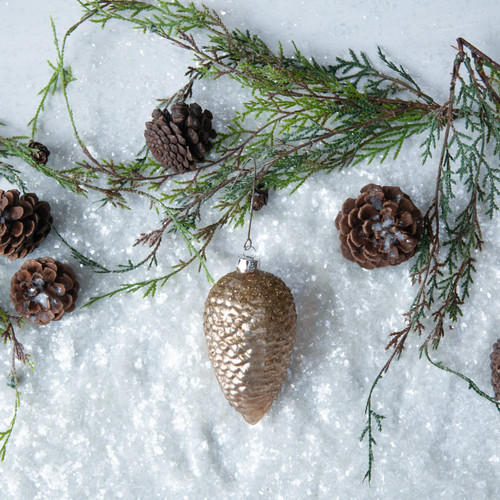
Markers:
{"x": 8, "y": 335}
{"x": 445, "y": 267}
{"x": 302, "y": 118}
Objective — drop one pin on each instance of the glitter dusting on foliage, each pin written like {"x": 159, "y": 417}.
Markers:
{"x": 43, "y": 290}
{"x": 381, "y": 227}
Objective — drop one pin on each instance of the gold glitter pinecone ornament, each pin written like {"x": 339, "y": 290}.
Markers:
{"x": 43, "y": 290}
{"x": 381, "y": 227}
{"x": 24, "y": 223}
{"x": 495, "y": 369}
{"x": 180, "y": 138}
{"x": 250, "y": 322}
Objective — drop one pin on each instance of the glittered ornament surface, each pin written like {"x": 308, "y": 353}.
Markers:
{"x": 250, "y": 324}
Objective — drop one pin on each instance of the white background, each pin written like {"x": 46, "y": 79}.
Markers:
{"x": 123, "y": 402}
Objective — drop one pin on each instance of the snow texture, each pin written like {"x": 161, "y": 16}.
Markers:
{"x": 123, "y": 402}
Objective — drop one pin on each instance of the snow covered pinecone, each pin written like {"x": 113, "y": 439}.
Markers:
{"x": 42, "y": 154}
{"x": 43, "y": 290}
{"x": 180, "y": 138}
{"x": 24, "y": 223}
{"x": 381, "y": 227}
{"x": 495, "y": 369}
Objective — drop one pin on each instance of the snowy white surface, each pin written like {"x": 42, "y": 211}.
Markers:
{"x": 123, "y": 402}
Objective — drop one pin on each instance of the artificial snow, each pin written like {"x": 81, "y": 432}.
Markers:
{"x": 42, "y": 299}
{"x": 123, "y": 401}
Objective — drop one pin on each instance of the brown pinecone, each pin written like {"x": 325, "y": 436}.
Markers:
{"x": 43, "y": 290}
{"x": 42, "y": 153}
{"x": 24, "y": 223}
{"x": 381, "y": 227}
{"x": 260, "y": 197}
{"x": 495, "y": 369}
{"x": 181, "y": 138}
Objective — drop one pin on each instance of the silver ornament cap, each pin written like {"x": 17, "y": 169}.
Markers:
{"x": 250, "y": 323}
{"x": 247, "y": 264}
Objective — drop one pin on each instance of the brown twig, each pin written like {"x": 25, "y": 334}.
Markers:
{"x": 18, "y": 354}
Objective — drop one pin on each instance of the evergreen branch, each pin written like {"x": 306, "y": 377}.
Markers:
{"x": 5, "y": 435}
{"x": 303, "y": 118}
{"x": 78, "y": 180}
{"x": 446, "y": 260}
{"x": 151, "y": 285}
{"x": 316, "y": 119}
{"x": 12, "y": 175}
{"x": 8, "y": 335}
{"x": 96, "y": 266}
{"x": 367, "y": 433}
{"x": 472, "y": 384}
{"x": 18, "y": 147}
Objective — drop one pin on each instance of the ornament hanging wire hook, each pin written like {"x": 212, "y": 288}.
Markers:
{"x": 248, "y": 243}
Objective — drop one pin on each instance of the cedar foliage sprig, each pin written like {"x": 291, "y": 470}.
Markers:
{"x": 77, "y": 180}
{"x": 445, "y": 267}
{"x": 7, "y": 323}
{"x": 302, "y": 118}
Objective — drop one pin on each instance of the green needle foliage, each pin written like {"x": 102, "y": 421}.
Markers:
{"x": 445, "y": 267}
{"x": 8, "y": 335}
{"x": 75, "y": 179}
{"x": 304, "y": 117}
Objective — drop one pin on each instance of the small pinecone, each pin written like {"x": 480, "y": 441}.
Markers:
{"x": 181, "y": 138}
{"x": 43, "y": 290}
{"x": 495, "y": 369}
{"x": 24, "y": 223}
{"x": 381, "y": 227}
{"x": 260, "y": 197}
{"x": 42, "y": 154}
